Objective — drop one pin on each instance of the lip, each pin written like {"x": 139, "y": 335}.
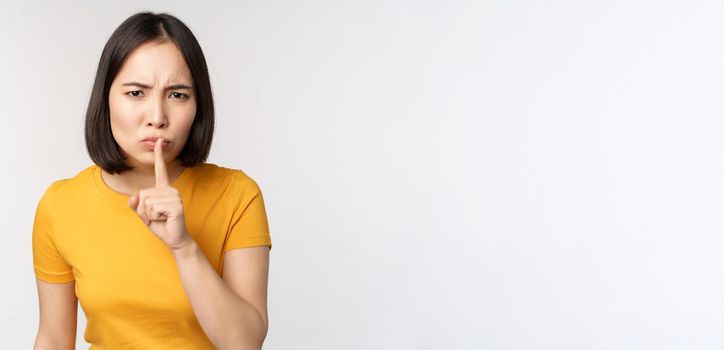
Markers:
{"x": 150, "y": 143}
{"x": 154, "y": 138}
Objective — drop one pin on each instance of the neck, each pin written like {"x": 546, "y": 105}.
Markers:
{"x": 140, "y": 177}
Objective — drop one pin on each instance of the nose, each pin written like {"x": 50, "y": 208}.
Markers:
{"x": 157, "y": 114}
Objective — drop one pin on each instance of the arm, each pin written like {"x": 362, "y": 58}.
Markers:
{"x": 232, "y": 308}
{"x": 58, "y": 315}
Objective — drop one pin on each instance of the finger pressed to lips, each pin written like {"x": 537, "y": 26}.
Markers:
{"x": 139, "y": 201}
{"x": 151, "y": 145}
{"x": 160, "y": 164}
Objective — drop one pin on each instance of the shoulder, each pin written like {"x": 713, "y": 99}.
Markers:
{"x": 235, "y": 180}
{"x": 60, "y": 193}
{"x": 65, "y": 187}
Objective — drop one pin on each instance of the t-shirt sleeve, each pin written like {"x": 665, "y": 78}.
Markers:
{"x": 48, "y": 263}
{"x": 249, "y": 225}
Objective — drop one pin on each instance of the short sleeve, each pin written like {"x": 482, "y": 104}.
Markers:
{"x": 249, "y": 225}
{"x": 48, "y": 264}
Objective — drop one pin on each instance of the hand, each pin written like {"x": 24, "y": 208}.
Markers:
{"x": 160, "y": 207}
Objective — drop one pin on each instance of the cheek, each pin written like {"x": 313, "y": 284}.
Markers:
{"x": 122, "y": 117}
{"x": 188, "y": 110}
{"x": 184, "y": 121}
{"x": 185, "y": 115}
{"x": 122, "y": 110}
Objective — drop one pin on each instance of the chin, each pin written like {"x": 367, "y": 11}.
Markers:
{"x": 143, "y": 160}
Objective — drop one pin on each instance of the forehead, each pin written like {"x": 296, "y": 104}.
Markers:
{"x": 153, "y": 62}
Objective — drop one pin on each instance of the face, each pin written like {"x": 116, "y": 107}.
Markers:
{"x": 152, "y": 96}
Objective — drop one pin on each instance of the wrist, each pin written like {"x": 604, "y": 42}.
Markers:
{"x": 186, "y": 249}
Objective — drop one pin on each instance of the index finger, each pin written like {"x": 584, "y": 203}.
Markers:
{"x": 160, "y": 164}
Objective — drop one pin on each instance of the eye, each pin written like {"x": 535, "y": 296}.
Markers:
{"x": 179, "y": 95}
{"x": 135, "y": 93}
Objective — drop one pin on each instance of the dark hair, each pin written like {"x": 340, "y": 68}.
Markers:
{"x": 138, "y": 29}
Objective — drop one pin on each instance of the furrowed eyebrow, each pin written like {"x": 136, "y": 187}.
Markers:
{"x": 170, "y": 87}
{"x": 178, "y": 87}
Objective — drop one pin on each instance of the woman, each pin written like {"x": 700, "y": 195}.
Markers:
{"x": 162, "y": 250}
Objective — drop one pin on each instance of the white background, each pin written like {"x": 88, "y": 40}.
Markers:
{"x": 437, "y": 174}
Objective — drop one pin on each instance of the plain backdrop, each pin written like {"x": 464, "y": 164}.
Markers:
{"x": 438, "y": 174}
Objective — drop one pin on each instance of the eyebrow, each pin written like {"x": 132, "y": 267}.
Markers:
{"x": 170, "y": 87}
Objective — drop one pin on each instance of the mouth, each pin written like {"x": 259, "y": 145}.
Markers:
{"x": 154, "y": 138}
{"x": 150, "y": 143}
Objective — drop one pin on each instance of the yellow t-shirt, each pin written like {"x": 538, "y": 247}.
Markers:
{"x": 126, "y": 279}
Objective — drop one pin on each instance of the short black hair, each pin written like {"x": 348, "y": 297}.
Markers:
{"x": 138, "y": 29}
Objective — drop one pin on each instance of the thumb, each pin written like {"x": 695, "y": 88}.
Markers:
{"x": 133, "y": 201}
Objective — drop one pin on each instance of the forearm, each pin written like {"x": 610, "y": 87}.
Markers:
{"x": 229, "y": 321}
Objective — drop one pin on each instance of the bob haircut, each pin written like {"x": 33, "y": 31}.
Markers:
{"x": 138, "y": 29}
